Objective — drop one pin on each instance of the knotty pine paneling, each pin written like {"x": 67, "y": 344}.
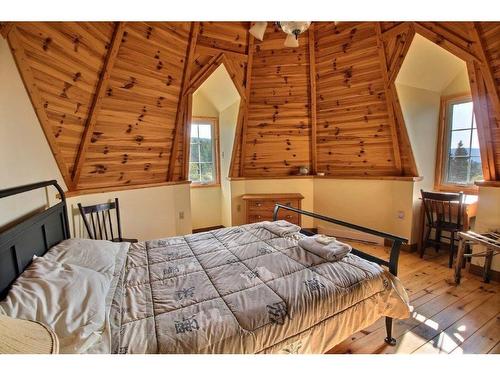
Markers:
{"x": 133, "y": 135}
{"x": 278, "y": 127}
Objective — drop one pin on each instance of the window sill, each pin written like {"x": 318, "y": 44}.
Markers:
{"x": 196, "y": 186}
{"x": 467, "y": 189}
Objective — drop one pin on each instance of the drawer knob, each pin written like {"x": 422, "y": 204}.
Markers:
{"x": 288, "y": 216}
{"x": 258, "y": 204}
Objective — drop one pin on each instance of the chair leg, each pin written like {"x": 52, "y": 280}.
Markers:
{"x": 424, "y": 244}
{"x": 438, "y": 239}
{"x": 452, "y": 250}
{"x": 388, "y": 327}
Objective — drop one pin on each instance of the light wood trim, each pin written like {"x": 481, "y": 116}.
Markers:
{"x": 206, "y": 50}
{"x": 487, "y": 183}
{"x": 445, "y": 43}
{"x": 215, "y": 124}
{"x": 389, "y": 178}
{"x": 482, "y": 120}
{"x": 188, "y": 114}
{"x": 272, "y": 196}
{"x": 395, "y": 30}
{"x": 442, "y": 148}
{"x": 205, "y": 72}
{"x": 393, "y": 73}
{"x": 19, "y": 54}
{"x": 312, "y": 87}
{"x": 121, "y": 188}
{"x": 388, "y": 97}
{"x": 248, "y": 84}
{"x": 95, "y": 107}
{"x": 237, "y": 137}
{"x": 181, "y": 109}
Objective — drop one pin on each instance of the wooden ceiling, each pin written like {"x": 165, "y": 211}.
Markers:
{"x": 114, "y": 99}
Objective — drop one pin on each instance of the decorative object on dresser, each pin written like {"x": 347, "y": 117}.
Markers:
{"x": 18, "y": 336}
{"x": 103, "y": 222}
{"x": 259, "y": 207}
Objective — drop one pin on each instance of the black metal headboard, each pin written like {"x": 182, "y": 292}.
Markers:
{"x": 33, "y": 236}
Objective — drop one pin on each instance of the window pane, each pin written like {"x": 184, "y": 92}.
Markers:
{"x": 462, "y": 115}
{"x": 194, "y": 151}
{"x": 460, "y": 141}
{"x": 475, "y": 144}
{"x": 458, "y": 170}
{"x": 476, "y": 171}
{"x": 194, "y": 172}
{"x": 194, "y": 132}
{"x": 207, "y": 172}
{"x": 205, "y": 131}
{"x": 206, "y": 150}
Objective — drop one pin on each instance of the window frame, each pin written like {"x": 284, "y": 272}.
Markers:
{"x": 443, "y": 143}
{"x": 214, "y": 122}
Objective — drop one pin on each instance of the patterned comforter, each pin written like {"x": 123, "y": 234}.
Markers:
{"x": 245, "y": 290}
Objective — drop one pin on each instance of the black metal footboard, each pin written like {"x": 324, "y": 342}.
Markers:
{"x": 391, "y": 264}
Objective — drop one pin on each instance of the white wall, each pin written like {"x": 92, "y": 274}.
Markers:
{"x": 25, "y": 156}
{"x": 145, "y": 213}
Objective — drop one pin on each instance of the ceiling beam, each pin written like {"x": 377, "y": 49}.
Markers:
{"x": 388, "y": 96}
{"x": 23, "y": 66}
{"x": 95, "y": 107}
{"x": 248, "y": 84}
{"x": 179, "y": 130}
{"x": 486, "y": 70}
{"x": 440, "y": 38}
{"x": 312, "y": 90}
{"x": 480, "y": 106}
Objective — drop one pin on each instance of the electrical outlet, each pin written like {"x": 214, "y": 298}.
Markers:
{"x": 401, "y": 215}
{"x": 181, "y": 215}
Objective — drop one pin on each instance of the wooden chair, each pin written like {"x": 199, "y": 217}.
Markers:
{"x": 443, "y": 212}
{"x": 100, "y": 226}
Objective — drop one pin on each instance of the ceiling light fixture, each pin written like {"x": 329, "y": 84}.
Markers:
{"x": 292, "y": 28}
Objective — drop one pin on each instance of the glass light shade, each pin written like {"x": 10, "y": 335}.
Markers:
{"x": 258, "y": 29}
{"x": 292, "y": 41}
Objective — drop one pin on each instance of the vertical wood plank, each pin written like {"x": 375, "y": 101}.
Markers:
{"x": 313, "y": 106}
{"x": 181, "y": 108}
{"x": 248, "y": 84}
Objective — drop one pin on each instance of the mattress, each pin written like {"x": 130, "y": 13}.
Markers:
{"x": 244, "y": 290}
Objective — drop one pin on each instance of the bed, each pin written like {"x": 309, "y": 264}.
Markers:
{"x": 242, "y": 289}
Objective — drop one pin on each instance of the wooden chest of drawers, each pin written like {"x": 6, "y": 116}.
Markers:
{"x": 260, "y": 207}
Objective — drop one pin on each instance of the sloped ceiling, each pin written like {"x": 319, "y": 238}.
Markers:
{"x": 428, "y": 66}
{"x": 114, "y": 99}
{"x": 219, "y": 89}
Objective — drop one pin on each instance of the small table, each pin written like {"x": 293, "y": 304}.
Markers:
{"x": 470, "y": 211}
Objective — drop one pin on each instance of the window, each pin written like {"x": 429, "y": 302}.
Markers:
{"x": 460, "y": 163}
{"x": 203, "y": 159}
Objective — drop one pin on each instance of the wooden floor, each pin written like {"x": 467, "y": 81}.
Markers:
{"x": 445, "y": 318}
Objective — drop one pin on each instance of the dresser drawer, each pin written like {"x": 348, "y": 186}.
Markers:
{"x": 260, "y": 207}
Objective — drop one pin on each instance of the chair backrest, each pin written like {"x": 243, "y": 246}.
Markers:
{"x": 100, "y": 220}
{"x": 443, "y": 207}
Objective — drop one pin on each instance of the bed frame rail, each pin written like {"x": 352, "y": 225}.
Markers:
{"x": 391, "y": 264}
{"x": 32, "y": 236}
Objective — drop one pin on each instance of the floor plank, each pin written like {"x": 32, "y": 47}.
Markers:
{"x": 445, "y": 318}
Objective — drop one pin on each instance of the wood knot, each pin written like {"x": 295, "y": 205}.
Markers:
{"x": 139, "y": 139}
{"x": 128, "y": 85}
{"x": 95, "y": 137}
{"x": 46, "y": 43}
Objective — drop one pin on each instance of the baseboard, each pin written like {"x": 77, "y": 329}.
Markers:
{"x": 478, "y": 270}
{"x": 199, "y": 230}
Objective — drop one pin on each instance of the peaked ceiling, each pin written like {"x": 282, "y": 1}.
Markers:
{"x": 114, "y": 99}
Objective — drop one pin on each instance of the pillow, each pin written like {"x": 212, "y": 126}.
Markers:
{"x": 67, "y": 298}
{"x": 97, "y": 255}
